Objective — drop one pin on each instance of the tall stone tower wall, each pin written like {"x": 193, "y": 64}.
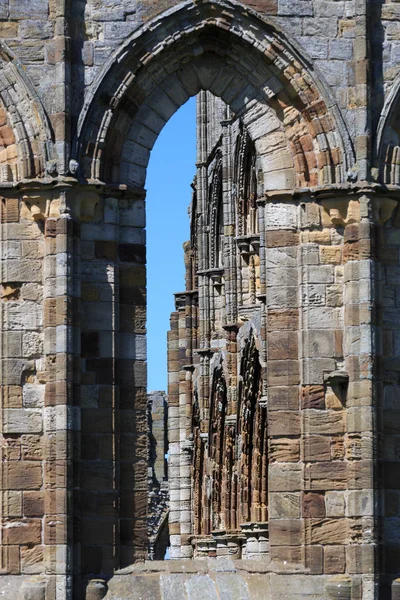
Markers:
{"x": 85, "y": 89}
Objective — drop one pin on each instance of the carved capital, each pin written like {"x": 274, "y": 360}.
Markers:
{"x": 340, "y": 212}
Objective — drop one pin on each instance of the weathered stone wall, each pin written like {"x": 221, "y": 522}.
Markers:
{"x": 85, "y": 89}
{"x": 311, "y": 312}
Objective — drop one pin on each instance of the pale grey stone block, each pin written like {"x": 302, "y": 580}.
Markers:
{"x": 314, "y": 370}
{"x": 310, "y": 254}
{"x": 20, "y": 9}
{"x": 300, "y": 587}
{"x": 281, "y": 257}
{"x": 12, "y": 344}
{"x": 335, "y": 71}
{"x": 321, "y": 27}
{"x": 335, "y": 504}
{"x": 360, "y": 503}
{"x": 284, "y": 505}
{"x": 319, "y": 274}
{"x": 283, "y": 276}
{"x": 282, "y": 297}
{"x": 32, "y": 344}
{"x": 313, "y": 294}
{"x": 10, "y": 250}
{"x": 358, "y": 340}
{"x": 33, "y": 395}
{"x": 359, "y": 419}
{"x": 316, "y": 47}
{"x": 22, "y": 420}
{"x": 324, "y": 8}
{"x": 295, "y": 8}
{"x": 36, "y": 29}
{"x": 14, "y": 369}
{"x": 132, "y": 346}
{"x": 357, "y": 291}
{"x": 319, "y": 343}
{"x": 355, "y": 271}
{"x": 117, "y": 30}
{"x": 281, "y": 216}
{"x": 28, "y": 271}
{"x": 23, "y": 315}
{"x": 111, "y": 211}
{"x": 341, "y": 49}
{"x": 321, "y": 317}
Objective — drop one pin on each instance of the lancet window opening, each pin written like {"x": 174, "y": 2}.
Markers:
{"x": 245, "y": 183}
{"x": 216, "y": 214}
{"x": 251, "y": 436}
{"x": 218, "y": 406}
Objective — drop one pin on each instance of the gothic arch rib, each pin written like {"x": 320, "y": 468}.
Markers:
{"x": 26, "y": 117}
{"x": 230, "y": 50}
{"x": 387, "y": 138}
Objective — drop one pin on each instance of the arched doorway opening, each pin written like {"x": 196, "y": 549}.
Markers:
{"x": 299, "y": 140}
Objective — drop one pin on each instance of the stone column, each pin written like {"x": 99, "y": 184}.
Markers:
{"x": 174, "y": 438}
{"x": 61, "y": 417}
{"x": 283, "y": 377}
{"x": 359, "y": 281}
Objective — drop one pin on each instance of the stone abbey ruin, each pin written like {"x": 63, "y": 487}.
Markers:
{"x": 284, "y": 349}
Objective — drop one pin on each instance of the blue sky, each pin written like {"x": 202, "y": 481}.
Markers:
{"x": 169, "y": 175}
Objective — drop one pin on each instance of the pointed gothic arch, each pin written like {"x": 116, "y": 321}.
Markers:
{"x": 387, "y": 139}
{"x": 230, "y": 50}
{"x": 26, "y": 138}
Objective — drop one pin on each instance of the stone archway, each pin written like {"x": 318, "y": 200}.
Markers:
{"x": 26, "y": 136}
{"x": 228, "y": 50}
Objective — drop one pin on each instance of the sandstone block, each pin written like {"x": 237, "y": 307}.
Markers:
{"x": 284, "y": 423}
{"x": 316, "y": 448}
{"x": 313, "y": 505}
{"x": 282, "y": 345}
{"x": 312, "y": 396}
{"x": 283, "y": 372}
{"x": 283, "y": 319}
{"x": 320, "y": 422}
{"x": 284, "y": 449}
{"x": 334, "y": 560}
{"x": 22, "y": 532}
{"x": 327, "y": 475}
{"x": 33, "y": 504}
{"x": 283, "y": 398}
{"x": 286, "y": 532}
{"x": 285, "y": 477}
{"x": 331, "y": 254}
{"x": 23, "y": 475}
{"x": 32, "y": 560}
{"x": 11, "y": 504}
{"x": 284, "y": 505}
{"x": 327, "y": 531}
{"x": 360, "y": 558}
